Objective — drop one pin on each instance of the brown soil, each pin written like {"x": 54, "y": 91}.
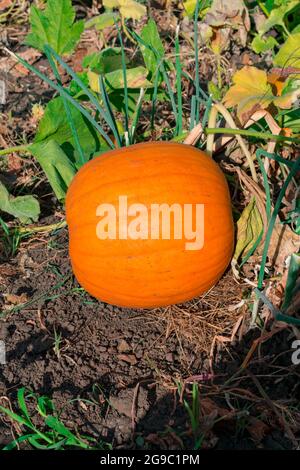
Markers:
{"x": 125, "y": 362}
{"x": 114, "y": 373}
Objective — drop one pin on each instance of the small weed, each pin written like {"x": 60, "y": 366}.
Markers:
{"x": 57, "y": 343}
{"x": 54, "y": 434}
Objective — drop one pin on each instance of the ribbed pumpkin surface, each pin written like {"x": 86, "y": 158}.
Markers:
{"x": 149, "y": 272}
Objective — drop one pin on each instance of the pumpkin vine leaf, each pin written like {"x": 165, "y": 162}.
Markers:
{"x": 25, "y": 208}
{"x": 56, "y": 26}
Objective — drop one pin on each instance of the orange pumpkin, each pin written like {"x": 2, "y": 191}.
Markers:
{"x": 136, "y": 268}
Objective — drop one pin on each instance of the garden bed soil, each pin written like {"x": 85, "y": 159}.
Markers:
{"x": 112, "y": 374}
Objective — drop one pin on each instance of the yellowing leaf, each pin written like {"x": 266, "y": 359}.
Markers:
{"x": 189, "y": 7}
{"x": 136, "y": 78}
{"x": 94, "y": 81}
{"x": 127, "y": 8}
{"x": 249, "y": 229}
{"x": 251, "y": 91}
{"x": 287, "y": 90}
{"x": 111, "y": 3}
{"x": 132, "y": 9}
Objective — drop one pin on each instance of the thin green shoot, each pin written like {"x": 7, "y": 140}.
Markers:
{"x": 197, "y": 78}
{"x": 86, "y": 90}
{"x": 57, "y": 343}
{"x": 249, "y": 133}
{"x": 82, "y": 159}
{"x": 271, "y": 225}
{"x": 178, "y": 83}
{"x": 124, "y": 71}
{"x": 65, "y": 94}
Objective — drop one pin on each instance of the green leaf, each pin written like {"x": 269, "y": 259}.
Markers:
{"x": 15, "y": 417}
{"x": 189, "y": 7}
{"x": 291, "y": 283}
{"x": 260, "y": 44}
{"x": 117, "y": 98}
{"x": 108, "y": 60}
{"x": 296, "y": 29}
{"x": 151, "y": 37}
{"x": 22, "y": 403}
{"x": 249, "y": 229}
{"x": 17, "y": 441}
{"x": 289, "y": 53}
{"x": 25, "y": 208}
{"x": 59, "y": 427}
{"x": 56, "y": 164}
{"x": 55, "y": 126}
{"x": 136, "y": 78}
{"x": 45, "y": 406}
{"x": 214, "y": 91}
{"x": 277, "y": 16}
{"x": 55, "y": 26}
{"x": 101, "y": 21}
{"x": 75, "y": 89}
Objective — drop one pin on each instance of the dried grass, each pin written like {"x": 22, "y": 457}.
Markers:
{"x": 205, "y": 320}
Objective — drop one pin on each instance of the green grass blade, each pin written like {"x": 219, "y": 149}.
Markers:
{"x": 208, "y": 106}
{"x": 84, "y": 88}
{"x": 137, "y": 115}
{"x": 19, "y": 419}
{"x": 112, "y": 122}
{"x": 277, "y": 158}
{"x": 271, "y": 225}
{"x": 193, "y": 113}
{"x": 154, "y": 97}
{"x": 178, "y": 84}
{"x": 197, "y": 78}
{"x": 22, "y": 404}
{"x": 124, "y": 71}
{"x": 266, "y": 183}
{"x": 17, "y": 441}
{"x": 275, "y": 311}
{"x": 249, "y": 133}
{"x": 65, "y": 94}
{"x": 192, "y": 82}
{"x": 82, "y": 159}
{"x": 162, "y": 69}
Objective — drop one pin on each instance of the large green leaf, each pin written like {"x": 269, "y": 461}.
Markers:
{"x": 57, "y": 166}
{"x": 25, "y": 208}
{"x": 102, "y": 21}
{"x": 108, "y": 60}
{"x": 277, "y": 16}
{"x": 151, "y": 37}
{"x": 55, "y": 26}
{"x": 136, "y": 78}
{"x": 55, "y": 126}
{"x": 117, "y": 98}
{"x": 289, "y": 53}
